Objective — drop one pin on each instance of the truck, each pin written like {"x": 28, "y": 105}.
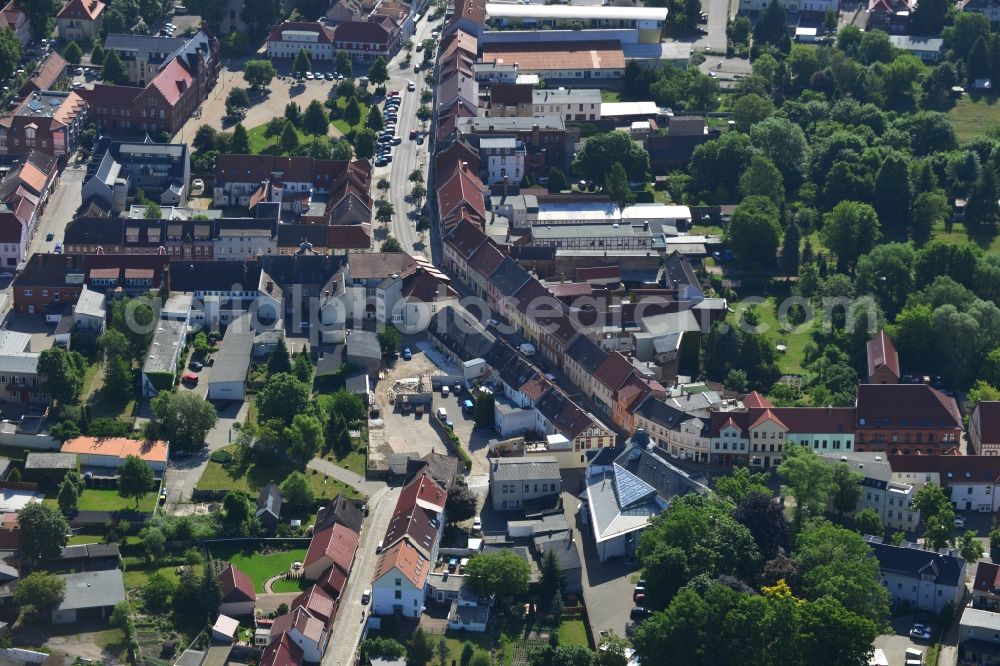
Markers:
{"x": 527, "y": 348}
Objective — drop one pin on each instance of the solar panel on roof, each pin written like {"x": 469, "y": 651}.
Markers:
{"x": 630, "y": 488}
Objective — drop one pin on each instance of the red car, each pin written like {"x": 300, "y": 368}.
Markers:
{"x": 189, "y": 378}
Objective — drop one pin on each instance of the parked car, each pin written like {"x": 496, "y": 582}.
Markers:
{"x": 407, "y": 354}
{"x": 638, "y": 613}
{"x": 445, "y": 391}
{"x": 196, "y": 366}
{"x": 920, "y": 632}
{"x": 366, "y": 596}
{"x": 960, "y": 522}
{"x": 310, "y": 76}
{"x": 452, "y": 564}
{"x": 477, "y": 523}
{"x": 49, "y": 237}
{"x": 329, "y": 76}
{"x": 411, "y": 86}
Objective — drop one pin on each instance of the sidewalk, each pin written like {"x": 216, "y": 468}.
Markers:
{"x": 347, "y": 476}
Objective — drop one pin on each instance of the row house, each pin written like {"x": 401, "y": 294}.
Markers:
{"x": 460, "y": 196}
{"x": 883, "y": 361}
{"x": 906, "y": 418}
{"x": 577, "y": 104}
{"x": 503, "y": 285}
{"x": 460, "y": 246}
{"x": 80, "y": 20}
{"x": 557, "y": 414}
{"x": 892, "y": 500}
{"x": 297, "y": 239}
{"x": 684, "y": 435}
{"x": 57, "y": 279}
{"x": 469, "y": 16}
{"x": 984, "y": 428}
{"x": 287, "y": 39}
{"x": 14, "y": 18}
{"x": 460, "y": 337}
{"x": 118, "y": 169}
{"x": 547, "y": 142}
{"x": 410, "y": 299}
{"x": 49, "y": 74}
{"x": 971, "y": 482}
{"x": 145, "y": 56}
{"x": 23, "y": 195}
{"x": 367, "y": 41}
{"x": 19, "y": 375}
{"x": 409, "y": 548}
{"x": 49, "y": 120}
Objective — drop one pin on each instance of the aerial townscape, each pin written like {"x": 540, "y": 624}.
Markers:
{"x": 499, "y": 332}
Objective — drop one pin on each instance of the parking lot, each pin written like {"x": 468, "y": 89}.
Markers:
{"x": 895, "y": 645}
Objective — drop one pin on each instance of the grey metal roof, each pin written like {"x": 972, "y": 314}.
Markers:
{"x": 190, "y": 658}
{"x": 447, "y": 582}
{"x": 269, "y": 501}
{"x": 90, "y": 303}
{"x": 233, "y": 360}
{"x": 363, "y": 344}
{"x": 535, "y": 468}
{"x": 92, "y": 589}
{"x": 614, "y": 230}
{"x": 980, "y": 619}
{"x": 167, "y": 339}
{"x": 911, "y": 560}
{"x": 608, "y": 517}
{"x": 39, "y": 460}
{"x": 144, "y": 44}
{"x": 465, "y": 614}
{"x": 510, "y": 124}
{"x": 668, "y": 480}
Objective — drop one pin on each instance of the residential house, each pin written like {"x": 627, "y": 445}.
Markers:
{"x": 282, "y": 652}
{"x": 118, "y": 169}
{"x": 14, "y": 18}
{"x": 469, "y": 17}
{"x": 366, "y": 41}
{"x": 340, "y": 510}
{"x": 906, "y": 418}
{"x": 459, "y": 335}
{"x": 460, "y": 196}
{"x": 979, "y": 636}
{"x": 333, "y": 546}
{"x": 269, "y": 507}
{"x": 892, "y": 16}
{"x": 111, "y": 452}
{"x": 971, "y": 482}
{"x": 547, "y": 141}
{"x": 48, "y": 120}
{"x": 409, "y": 299}
{"x": 49, "y": 74}
{"x": 890, "y": 499}
{"x": 925, "y": 579}
{"x": 309, "y": 633}
{"x": 986, "y": 588}
{"x": 511, "y": 99}
{"x": 364, "y": 351}
{"x": 557, "y": 414}
{"x": 19, "y": 370}
{"x": 685, "y": 435}
{"x": 159, "y": 370}
{"x": 984, "y": 428}
{"x": 517, "y": 484}
{"x": 644, "y": 23}
{"x": 244, "y": 239}
{"x": 502, "y": 160}
{"x": 400, "y": 580}
{"x": 989, "y": 8}
{"x": 577, "y": 104}
{"x": 238, "y": 596}
{"x": 317, "y": 603}
{"x": 621, "y": 501}
{"x": 80, "y": 20}
{"x": 288, "y": 38}
{"x": 469, "y": 612}
{"x": 143, "y": 55}
{"x": 90, "y": 311}
{"x": 561, "y": 61}
{"x": 89, "y": 594}
{"x": 24, "y": 192}
{"x": 883, "y": 361}
{"x": 232, "y": 364}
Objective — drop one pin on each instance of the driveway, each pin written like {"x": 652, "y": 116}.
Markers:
{"x": 346, "y": 631}
{"x": 895, "y": 644}
{"x": 62, "y": 204}
{"x": 347, "y": 476}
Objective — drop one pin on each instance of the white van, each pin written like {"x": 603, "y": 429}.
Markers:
{"x": 445, "y": 390}
{"x": 442, "y": 414}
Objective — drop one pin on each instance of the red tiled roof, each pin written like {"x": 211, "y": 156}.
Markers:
{"x": 756, "y": 400}
{"x": 569, "y": 289}
{"x": 173, "y": 81}
{"x": 987, "y": 578}
{"x": 766, "y": 415}
{"x": 983, "y": 469}
{"x": 365, "y": 32}
{"x": 317, "y": 603}
{"x": 892, "y": 405}
{"x": 83, "y": 10}
{"x": 334, "y": 581}
{"x": 881, "y": 352}
{"x": 815, "y": 419}
{"x": 378, "y": 265}
{"x": 407, "y": 559}
{"x": 535, "y": 387}
{"x": 613, "y": 372}
{"x": 236, "y": 585}
{"x": 486, "y": 259}
{"x": 325, "y": 32}
{"x": 282, "y": 652}
{"x": 462, "y": 189}
{"x": 599, "y": 273}
{"x": 988, "y": 412}
{"x": 466, "y": 238}
{"x": 46, "y": 74}
{"x": 473, "y": 10}
{"x": 348, "y": 237}
{"x": 105, "y": 95}
{"x": 337, "y": 542}
{"x": 511, "y": 93}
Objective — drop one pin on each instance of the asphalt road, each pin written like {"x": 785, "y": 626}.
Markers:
{"x": 60, "y": 209}
{"x": 346, "y": 631}
{"x": 407, "y": 156}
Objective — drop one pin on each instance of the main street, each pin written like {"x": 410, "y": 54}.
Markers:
{"x": 407, "y": 156}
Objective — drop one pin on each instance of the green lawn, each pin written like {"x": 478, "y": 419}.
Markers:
{"x": 259, "y": 567}
{"x": 260, "y": 144}
{"x": 102, "y": 403}
{"x": 610, "y": 96}
{"x": 342, "y": 125}
{"x": 974, "y": 116}
{"x": 291, "y": 585}
{"x": 957, "y": 236}
{"x": 573, "y": 632}
{"x": 789, "y": 362}
{"x": 224, "y": 477}
{"x": 135, "y": 579}
{"x": 93, "y": 499}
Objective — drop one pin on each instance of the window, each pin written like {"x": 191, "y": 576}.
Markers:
{"x": 399, "y": 594}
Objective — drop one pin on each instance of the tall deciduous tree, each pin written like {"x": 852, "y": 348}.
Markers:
{"x": 43, "y": 532}
{"x": 181, "y": 418}
{"x": 282, "y": 397}
{"x": 135, "y": 479}
{"x": 753, "y": 232}
{"x": 850, "y": 230}
{"x": 808, "y": 479}
{"x": 501, "y": 574}
{"x": 602, "y": 150}
{"x": 113, "y": 70}
{"x": 258, "y": 73}
{"x": 62, "y": 374}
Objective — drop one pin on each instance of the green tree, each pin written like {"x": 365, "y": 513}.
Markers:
{"x": 181, "y": 418}
{"x": 716, "y": 166}
{"x": 352, "y": 112}
{"x": 40, "y": 590}
{"x": 113, "y": 70}
{"x": 343, "y": 64}
{"x": 969, "y": 546}
{"x": 209, "y": 592}
{"x": 72, "y": 53}
{"x": 237, "y": 514}
{"x": 981, "y": 391}
{"x": 851, "y": 230}
{"x": 484, "y": 415}
{"x": 302, "y": 368}
{"x": 289, "y": 139}
{"x": 97, "y": 54}
{"x": 157, "y": 591}
{"x": 763, "y": 178}
{"x": 62, "y": 374}
{"x": 739, "y": 483}
{"x": 616, "y": 185}
{"x": 118, "y": 378}
{"x": 765, "y": 520}
{"x": 501, "y": 574}
{"x": 846, "y": 490}
{"x": 808, "y": 479}
{"x": 390, "y": 244}
{"x": 302, "y": 63}
{"x": 260, "y": 15}
{"x": 365, "y": 143}
{"x": 791, "y": 255}
{"x": 389, "y": 338}
{"x": 751, "y": 109}
{"x": 237, "y": 102}
{"x": 135, "y": 479}
{"x": 240, "y": 141}
{"x": 43, "y": 532}
{"x": 771, "y": 28}
{"x": 551, "y": 579}
{"x": 753, "y": 232}
{"x": 296, "y": 491}
{"x": 315, "y": 119}
{"x": 153, "y": 211}
{"x": 378, "y": 72}
{"x": 468, "y": 652}
{"x": 557, "y": 180}
{"x": 380, "y": 646}
{"x": 420, "y": 648}
{"x": 279, "y": 360}
{"x": 982, "y": 210}
{"x": 68, "y": 498}
{"x": 867, "y": 521}
{"x": 783, "y": 142}
{"x": 461, "y": 504}
{"x": 608, "y": 148}
{"x": 931, "y": 501}
{"x": 375, "y": 120}
{"x": 258, "y": 73}
{"x": 349, "y": 406}
{"x": 305, "y": 436}
{"x": 293, "y": 114}
{"x": 282, "y": 398}
{"x": 894, "y": 194}
{"x": 153, "y": 542}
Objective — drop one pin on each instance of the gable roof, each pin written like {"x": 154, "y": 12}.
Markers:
{"x": 269, "y": 501}
{"x": 614, "y": 371}
{"x": 912, "y": 561}
{"x": 988, "y": 414}
{"x": 324, "y": 32}
{"x": 407, "y": 559}
{"x": 338, "y": 543}
{"x": 340, "y": 510}
{"x": 282, "y": 652}
{"x": 317, "y": 603}
{"x": 173, "y": 81}
{"x": 906, "y": 406}
{"x": 82, "y": 10}
{"x": 120, "y": 447}
{"x": 236, "y": 585}
{"x": 882, "y": 353}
